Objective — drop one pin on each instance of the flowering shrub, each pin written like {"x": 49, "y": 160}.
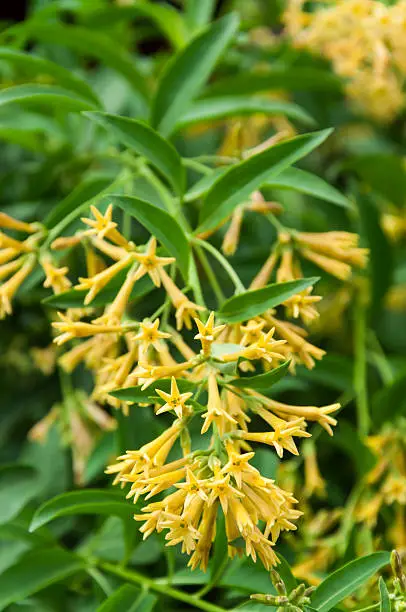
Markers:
{"x": 197, "y": 284}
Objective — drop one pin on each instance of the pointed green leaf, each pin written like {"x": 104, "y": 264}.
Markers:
{"x": 18, "y": 485}
{"x": 33, "y": 64}
{"x": 199, "y": 12}
{"x": 385, "y": 604}
{"x": 238, "y": 183}
{"x": 343, "y": 582}
{"x": 212, "y": 109}
{"x": 48, "y": 95}
{"x": 88, "y": 189}
{"x": 123, "y": 599}
{"x": 88, "y": 43}
{"x": 250, "y": 304}
{"x": 35, "y": 571}
{"x": 145, "y": 141}
{"x": 188, "y": 71}
{"x": 161, "y": 225}
{"x": 300, "y": 79}
{"x": 91, "y": 501}
{"x": 262, "y": 381}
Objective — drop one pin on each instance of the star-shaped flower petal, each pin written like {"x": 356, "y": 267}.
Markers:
{"x": 207, "y": 332}
{"x": 103, "y": 226}
{"x": 174, "y": 400}
{"x": 149, "y": 334}
{"x": 150, "y": 263}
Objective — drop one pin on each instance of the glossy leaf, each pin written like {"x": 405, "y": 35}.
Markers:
{"x": 83, "y": 192}
{"x": 87, "y": 43}
{"x": 142, "y": 139}
{"x": 45, "y": 95}
{"x": 300, "y": 79}
{"x": 220, "y": 551}
{"x": 124, "y": 598}
{"x": 253, "y": 303}
{"x": 262, "y": 381}
{"x": 75, "y": 298}
{"x": 161, "y": 224}
{"x": 199, "y": 12}
{"x": 346, "y": 580}
{"x": 91, "y": 501}
{"x": 18, "y": 485}
{"x": 35, "y": 571}
{"x": 237, "y": 184}
{"x": 385, "y": 603}
{"x": 212, "y": 109}
{"x": 188, "y": 71}
{"x": 36, "y": 65}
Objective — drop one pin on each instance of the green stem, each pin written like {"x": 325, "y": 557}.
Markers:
{"x": 210, "y": 275}
{"x": 239, "y": 287}
{"x": 360, "y": 366}
{"x": 195, "y": 282}
{"x": 195, "y": 165}
{"x": 372, "y": 607}
{"x": 137, "y": 578}
{"x": 173, "y": 205}
{"x": 100, "y": 580}
{"x": 379, "y": 359}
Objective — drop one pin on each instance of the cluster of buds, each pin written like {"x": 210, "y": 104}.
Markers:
{"x": 294, "y": 601}
{"x": 199, "y": 380}
{"x": 398, "y": 596}
{"x": 365, "y": 41}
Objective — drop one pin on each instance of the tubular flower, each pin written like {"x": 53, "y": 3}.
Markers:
{"x": 195, "y": 483}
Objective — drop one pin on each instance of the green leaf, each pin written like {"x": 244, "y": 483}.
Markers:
{"x": 91, "y": 501}
{"x": 262, "y": 381}
{"x": 299, "y": 79}
{"x": 349, "y": 440}
{"x": 48, "y": 95}
{"x": 36, "y": 65}
{"x": 333, "y": 371}
{"x": 139, "y": 395}
{"x": 253, "y": 303}
{"x": 285, "y": 572}
{"x": 35, "y": 571}
{"x": 166, "y": 19}
{"x": 123, "y": 599}
{"x": 18, "y": 485}
{"x": 385, "y": 604}
{"x": 88, "y": 189}
{"x": 75, "y": 298}
{"x": 162, "y": 225}
{"x": 212, "y": 109}
{"x": 381, "y": 262}
{"x": 138, "y": 136}
{"x": 89, "y": 44}
{"x": 220, "y": 551}
{"x": 390, "y": 401}
{"x": 343, "y": 582}
{"x": 199, "y": 12}
{"x": 237, "y": 184}
{"x": 188, "y": 71}
{"x": 384, "y": 173}
{"x": 309, "y": 184}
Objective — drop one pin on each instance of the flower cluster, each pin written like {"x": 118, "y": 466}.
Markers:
{"x": 365, "y": 41}
{"x": 206, "y": 379}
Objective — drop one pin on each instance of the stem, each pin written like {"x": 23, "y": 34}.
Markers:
{"x": 373, "y": 607}
{"x": 210, "y": 275}
{"x": 276, "y": 223}
{"x": 100, "y": 580}
{"x": 137, "y": 578}
{"x": 174, "y": 207}
{"x": 379, "y": 359}
{"x": 195, "y": 165}
{"x": 360, "y": 366}
{"x": 195, "y": 282}
{"x": 239, "y": 287}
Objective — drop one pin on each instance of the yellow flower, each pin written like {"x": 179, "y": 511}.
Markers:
{"x": 6, "y": 242}
{"x": 216, "y": 412}
{"x": 103, "y": 226}
{"x": 20, "y": 226}
{"x": 55, "y": 277}
{"x": 314, "y": 482}
{"x": 77, "y": 329}
{"x": 207, "y": 333}
{"x": 281, "y": 438}
{"x": 10, "y": 287}
{"x": 186, "y": 310}
{"x": 149, "y": 334}
{"x": 150, "y": 263}
{"x": 174, "y": 400}
{"x": 96, "y": 283}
